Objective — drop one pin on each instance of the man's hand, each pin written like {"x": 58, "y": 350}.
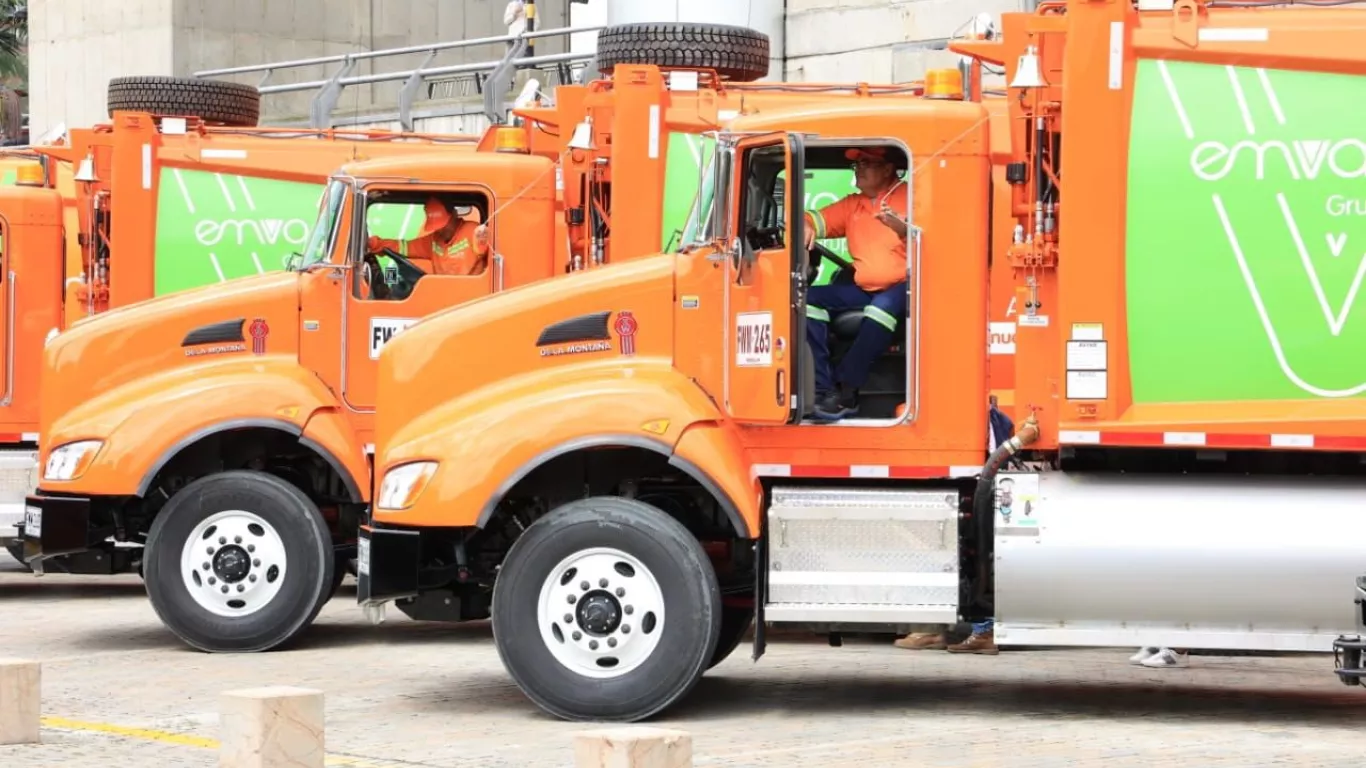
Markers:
{"x": 892, "y": 221}
{"x": 809, "y": 235}
{"x": 481, "y": 234}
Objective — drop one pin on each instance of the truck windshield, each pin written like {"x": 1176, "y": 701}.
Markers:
{"x": 320, "y": 239}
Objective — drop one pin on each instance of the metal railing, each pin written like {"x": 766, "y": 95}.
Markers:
{"x": 493, "y": 87}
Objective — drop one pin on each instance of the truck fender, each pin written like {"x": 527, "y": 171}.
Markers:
{"x": 145, "y": 423}
{"x": 487, "y": 444}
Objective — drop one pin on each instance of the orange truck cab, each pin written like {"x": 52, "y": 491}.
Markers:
{"x": 632, "y": 475}
{"x": 219, "y": 439}
{"x": 181, "y": 189}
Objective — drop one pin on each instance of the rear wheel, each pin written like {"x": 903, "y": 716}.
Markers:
{"x": 606, "y": 609}
{"x": 239, "y": 561}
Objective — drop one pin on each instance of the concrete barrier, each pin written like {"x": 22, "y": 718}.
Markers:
{"x": 21, "y": 697}
{"x": 271, "y": 728}
{"x": 633, "y": 747}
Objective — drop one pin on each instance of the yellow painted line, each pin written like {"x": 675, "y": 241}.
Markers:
{"x": 144, "y": 734}
{"x": 166, "y": 737}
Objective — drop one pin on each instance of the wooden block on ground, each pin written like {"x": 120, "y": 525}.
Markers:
{"x": 271, "y": 728}
{"x": 633, "y": 747}
{"x": 21, "y": 701}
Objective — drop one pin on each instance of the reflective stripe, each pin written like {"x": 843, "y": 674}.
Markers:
{"x": 819, "y": 222}
{"x": 816, "y": 313}
{"x": 880, "y": 317}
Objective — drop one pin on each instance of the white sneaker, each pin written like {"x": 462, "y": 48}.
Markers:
{"x": 1143, "y": 654}
{"x": 1165, "y": 658}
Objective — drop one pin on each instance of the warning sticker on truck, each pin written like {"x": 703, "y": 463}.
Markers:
{"x": 382, "y": 329}
{"x": 754, "y": 339}
{"x": 1017, "y": 504}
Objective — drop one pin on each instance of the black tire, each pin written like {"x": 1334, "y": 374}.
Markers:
{"x": 691, "y": 600}
{"x": 213, "y": 101}
{"x": 734, "y": 623}
{"x": 309, "y": 558}
{"x": 738, "y": 54}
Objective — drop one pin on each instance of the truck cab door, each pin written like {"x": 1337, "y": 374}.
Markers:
{"x": 765, "y": 293}
{"x": 392, "y": 289}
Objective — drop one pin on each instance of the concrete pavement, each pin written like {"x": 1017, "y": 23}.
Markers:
{"x": 120, "y": 690}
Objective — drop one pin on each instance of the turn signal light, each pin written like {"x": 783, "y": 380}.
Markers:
{"x": 944, "y": 83}
{"x": 510, "y": 139}
{"x": 29, "y": 175}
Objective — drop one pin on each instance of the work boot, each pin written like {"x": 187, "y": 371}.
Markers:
{"x": 922, "y": 641}
{"x": 980, "y": 642}
{"x": 833, "y": 406}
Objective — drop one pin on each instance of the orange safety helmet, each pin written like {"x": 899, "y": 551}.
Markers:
{"x": 437, "y": 217}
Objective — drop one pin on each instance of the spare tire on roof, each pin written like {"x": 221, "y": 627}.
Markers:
{"x": 213, "y": 101}
{"x": 738, "y": 54}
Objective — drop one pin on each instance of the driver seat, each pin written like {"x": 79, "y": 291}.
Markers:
{"x": 885, "y": 389}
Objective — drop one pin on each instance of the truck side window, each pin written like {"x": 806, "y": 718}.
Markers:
{"x": 412, "y": 234}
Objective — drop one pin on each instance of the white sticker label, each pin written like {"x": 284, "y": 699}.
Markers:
{"x": 382, "y": 329}
{"x": 1086, "y": 356}
{"x": 1087, "y": 385}
{"x": 33, "y": 522}
{"x": 754, "y": 339}
{"x": 1033, "y": 321}
{"x": 1088, "y": 332}
{"x": 362, "y": 557}
{"x": 1001, "y": 339}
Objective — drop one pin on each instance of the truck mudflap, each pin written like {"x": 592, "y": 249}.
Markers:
{"x": 1347, "y": 649}
{"x": 54, "y": 525}
{"x": 387, "y": 561}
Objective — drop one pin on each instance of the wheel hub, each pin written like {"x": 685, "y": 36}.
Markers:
{"x": 231, "y": 564}
{"x": 599, "y": 614}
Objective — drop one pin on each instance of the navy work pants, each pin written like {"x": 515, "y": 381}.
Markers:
{"x": 881, "y": 313}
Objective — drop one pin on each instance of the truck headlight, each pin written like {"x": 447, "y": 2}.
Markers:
{"x": 404, "y": 483}
{"x": 68, "y": 462}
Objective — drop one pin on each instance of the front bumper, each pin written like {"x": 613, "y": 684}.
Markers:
{"x": 387, "y": 562}
{"x": 54, "y": 526}
{"x": 1348, "y": 649}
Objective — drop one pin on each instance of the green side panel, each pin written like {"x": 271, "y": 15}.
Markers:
{"x": 214, "y": 227}
{"x": 1246, "y": 235}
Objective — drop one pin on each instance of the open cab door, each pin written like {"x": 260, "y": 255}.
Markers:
{"x": 765, "y": 294}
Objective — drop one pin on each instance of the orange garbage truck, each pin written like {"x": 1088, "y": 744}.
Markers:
{"x": 193, "y": 193}
{"x": 223, "y": 435}
{"x": 633, "y": 473}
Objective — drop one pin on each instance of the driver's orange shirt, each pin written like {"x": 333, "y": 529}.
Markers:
{"x": 879, "y": 254}
{"x": 463, "y": 255}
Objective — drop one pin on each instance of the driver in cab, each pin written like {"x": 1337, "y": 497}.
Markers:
{"x": 871, "y": 220}
{"x": 447, "y": 244}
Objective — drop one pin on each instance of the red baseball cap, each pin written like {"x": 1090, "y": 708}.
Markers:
{"x": 875, "y": 153}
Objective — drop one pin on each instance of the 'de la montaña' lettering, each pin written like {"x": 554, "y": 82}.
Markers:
{"x": 1304, "y": 159}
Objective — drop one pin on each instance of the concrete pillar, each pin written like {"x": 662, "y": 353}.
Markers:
{"x": 633, "y": 747}
{"x": 20, "y": 701}
{"x": 271, "y": 728}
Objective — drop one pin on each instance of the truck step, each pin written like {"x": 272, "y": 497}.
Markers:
{"x": 18, "y": 478}
{"x": 856, "y": 555}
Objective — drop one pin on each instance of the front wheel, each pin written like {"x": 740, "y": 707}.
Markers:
{"x": 606, "y": 609}
{"x": 239, "y": 561}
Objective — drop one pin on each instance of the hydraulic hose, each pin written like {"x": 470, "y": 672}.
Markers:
{"x": 983, "y": 506}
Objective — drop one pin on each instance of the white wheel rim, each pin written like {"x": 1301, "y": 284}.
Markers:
{"x": 233, "y": 563}
{"x": 601, "y": 613}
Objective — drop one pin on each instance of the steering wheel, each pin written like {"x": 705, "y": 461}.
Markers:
{"x": 813, "y": 266}
{"x": 408, "y": 275}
